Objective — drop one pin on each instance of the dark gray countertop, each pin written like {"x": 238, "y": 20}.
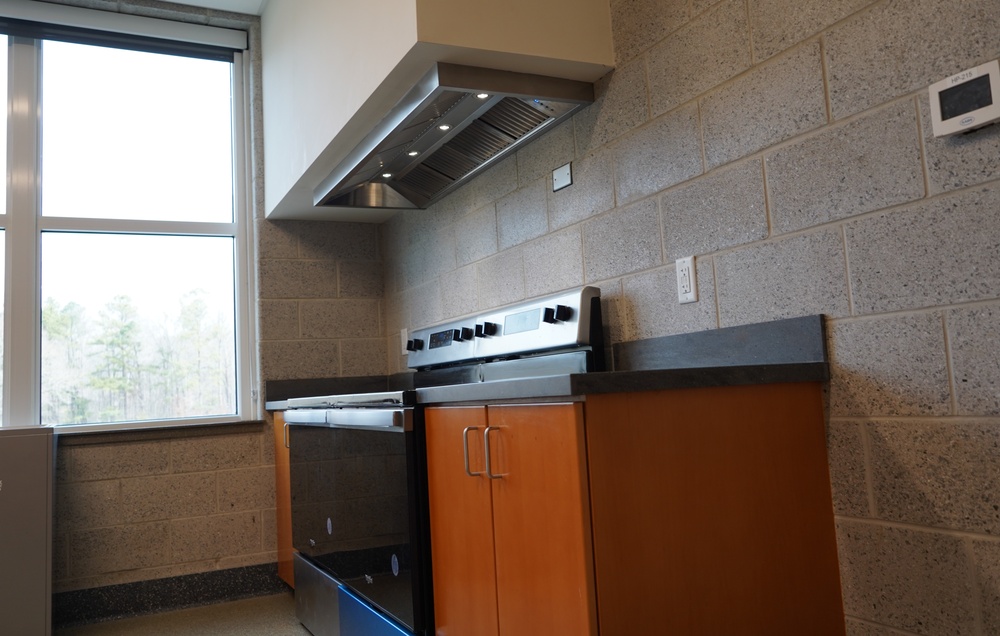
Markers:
{"x": 577, "y": 385}
{"x": 791, "y": 350}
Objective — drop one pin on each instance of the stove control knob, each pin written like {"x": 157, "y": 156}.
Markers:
{"x": 468, "y": 333}
{"x": 486, "y": 329}
{"x": 456, "y": 335}
{"x": 414, "y": 345}
{"x": 560, "y": 313}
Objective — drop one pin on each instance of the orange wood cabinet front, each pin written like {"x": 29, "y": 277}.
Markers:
{"x": 680, "y": 512}
{"x": 512, "y": 553}
{"x": 283, "y": 501}
{"x": 712, "y": 512}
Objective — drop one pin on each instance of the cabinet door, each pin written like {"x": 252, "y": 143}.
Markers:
{"x": 283, "y": 501}
{"x": 712, "y": 512}
{"x": 461, "y": 524}
{"x": 541, "y": 519}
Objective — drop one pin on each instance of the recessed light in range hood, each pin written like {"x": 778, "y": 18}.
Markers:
{"x": 454, "y": 123}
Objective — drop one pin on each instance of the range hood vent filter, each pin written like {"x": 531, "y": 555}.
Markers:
{"x": 514, "y": 117}
{"x": 424, "y": 162}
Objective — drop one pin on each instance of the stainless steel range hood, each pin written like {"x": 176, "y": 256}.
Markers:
{"x": 454, "y": 123}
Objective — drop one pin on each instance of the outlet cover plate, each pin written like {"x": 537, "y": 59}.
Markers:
{"x": 562, "y": 177}
{"x": 687, "y": 284}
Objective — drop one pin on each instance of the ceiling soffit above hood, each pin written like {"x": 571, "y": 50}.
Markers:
{"x": 408, "y": 161}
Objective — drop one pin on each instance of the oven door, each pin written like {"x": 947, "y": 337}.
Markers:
{"x": 359, "y": 505}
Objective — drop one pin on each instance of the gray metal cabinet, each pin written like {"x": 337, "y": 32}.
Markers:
{"x": 26, "y": 476}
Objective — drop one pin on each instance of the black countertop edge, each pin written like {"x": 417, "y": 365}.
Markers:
{"x": 582, "y": 384}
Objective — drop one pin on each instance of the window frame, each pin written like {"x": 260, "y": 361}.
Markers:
{"x": 24, "y": 224}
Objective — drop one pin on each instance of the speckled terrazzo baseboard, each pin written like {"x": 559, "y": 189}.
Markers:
{"x": 113, "y": 602}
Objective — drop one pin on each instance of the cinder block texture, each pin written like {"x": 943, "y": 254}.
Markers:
{"x": 770, "y": 103}
{"x": 889, "y": 366}
{"x": 915, "y": 464}
{"x": 523, "y": 214}
{"x": 915, "y": 580}
{"x": 651, "y": 309}
{"x": 869, "y": 164}
{"x": 784, "y": 278}
{"x": 636, "y": 23}
{"x": 661, "y": 154}
{"x": 553, "y": 262}
{"x": 699, "y": 56}
{"x": 725, "y": 209}
{"x": 901, "y": 46}
{"x": 848, "y": 472}
{"x": 975, "y": 355}
{"x": 911, "y": 257}
{"x": 621, "y": 105}
{"x": 592, "y": 192}
{"x": 779, "y": 24}
{"x": 623, "y": 241}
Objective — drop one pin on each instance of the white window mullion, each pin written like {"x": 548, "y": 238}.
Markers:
{"x": 130, "y": 226}
{"x": 21, "y": 333}
{"x": 250, "y": 402}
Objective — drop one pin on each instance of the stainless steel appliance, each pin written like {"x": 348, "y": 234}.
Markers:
{"x": 456, "y": 122}
{"x": 358, "y": 473}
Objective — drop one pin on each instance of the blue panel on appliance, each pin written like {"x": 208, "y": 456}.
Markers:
{"x": 357, "y": 619}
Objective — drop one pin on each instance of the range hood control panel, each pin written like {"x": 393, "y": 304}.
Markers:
{"x": 560, "y": 321}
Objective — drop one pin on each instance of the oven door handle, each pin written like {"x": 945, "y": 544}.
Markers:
{"x": 388, "y": 420}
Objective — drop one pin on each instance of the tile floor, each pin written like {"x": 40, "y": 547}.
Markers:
{"x": 263, "y": 616}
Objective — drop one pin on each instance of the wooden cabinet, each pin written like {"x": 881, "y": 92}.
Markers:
{"x": 682, "y": 512}
{"x": 712, "y": 512}
{"x": 283, "y": 501}
{"x": 511, "y": 553}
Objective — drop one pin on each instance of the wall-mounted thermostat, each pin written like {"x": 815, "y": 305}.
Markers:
{"x": 967, "y": 100}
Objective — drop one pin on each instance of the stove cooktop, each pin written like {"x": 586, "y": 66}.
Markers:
{"x": 564, "y": 321}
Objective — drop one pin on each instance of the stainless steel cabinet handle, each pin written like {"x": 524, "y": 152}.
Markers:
{"x": 284, "y": 434}
{"x": 465, "y": 448}
{"x": 486, "y": 445}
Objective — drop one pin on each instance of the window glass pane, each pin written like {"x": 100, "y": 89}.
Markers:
{"x": 136, "y": 327}
{"x": 3, "y": 124}
{"x": 133, "y": 135}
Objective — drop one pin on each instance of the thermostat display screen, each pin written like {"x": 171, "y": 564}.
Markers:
{"x": 966, "y": 97}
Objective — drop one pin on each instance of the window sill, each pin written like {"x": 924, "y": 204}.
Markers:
{"x": 80, "y": 434}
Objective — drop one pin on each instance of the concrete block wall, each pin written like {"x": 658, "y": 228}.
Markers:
{"x": 156, "y": 504}
{"x": 787, "y": 145}
{"x": 320, "y": 300}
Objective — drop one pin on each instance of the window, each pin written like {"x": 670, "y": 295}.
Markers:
{"x": 125, "y": 228}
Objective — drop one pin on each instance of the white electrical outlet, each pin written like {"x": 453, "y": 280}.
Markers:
{"x": 687, "y": 285}
{"x": 402, "y": 341}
